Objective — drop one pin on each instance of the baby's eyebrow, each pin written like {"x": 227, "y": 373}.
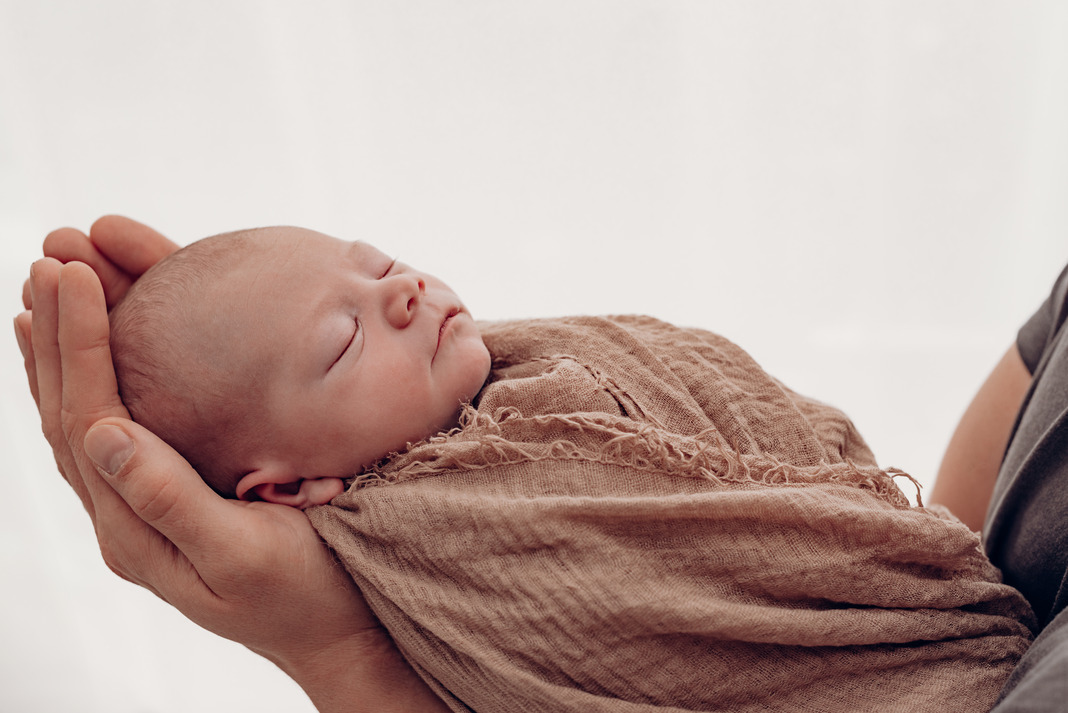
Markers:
{"x": 361, "y": 252}
{"x": 357, "y": 252}
{"x": 359, "y": 246}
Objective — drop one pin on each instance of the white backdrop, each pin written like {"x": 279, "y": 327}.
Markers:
{"x": 869, "y": 196}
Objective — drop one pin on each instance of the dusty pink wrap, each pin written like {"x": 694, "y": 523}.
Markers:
{"x": 636, "y": 517}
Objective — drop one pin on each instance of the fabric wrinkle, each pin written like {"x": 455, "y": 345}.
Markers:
{"x": 634, "y": 517}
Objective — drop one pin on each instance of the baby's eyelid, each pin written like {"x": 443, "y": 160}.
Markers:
{"x": 348, "y": 345}
{"x": 390, "y": 268}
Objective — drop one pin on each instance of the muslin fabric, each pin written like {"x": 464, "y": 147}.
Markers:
{"x": 634, "y": 516}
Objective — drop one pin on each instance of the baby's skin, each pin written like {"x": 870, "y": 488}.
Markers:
{"x": 336, "y": 352}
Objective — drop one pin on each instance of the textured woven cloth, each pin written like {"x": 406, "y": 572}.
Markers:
{"x": 636, "y": 517}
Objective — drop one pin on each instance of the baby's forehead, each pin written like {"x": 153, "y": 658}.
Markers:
{"x": 280, "y": 262}
{"x": 279, "y": 249}
{"x": 270, "y": 267}
{"x": 284, "y": 248}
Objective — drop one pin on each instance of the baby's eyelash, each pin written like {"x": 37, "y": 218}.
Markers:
{"x": 388, "y": 269}
{"x": 348, "y": 345}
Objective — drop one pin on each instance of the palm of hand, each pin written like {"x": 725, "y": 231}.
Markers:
{"x": 256, "y": 573}
{"x": 281, "y": 584}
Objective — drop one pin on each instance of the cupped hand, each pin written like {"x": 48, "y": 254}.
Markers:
{"x": 118, "y": 249}
{"x": 254, "y": 572}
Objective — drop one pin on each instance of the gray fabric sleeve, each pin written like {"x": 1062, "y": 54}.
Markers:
{"x": 1039, "y": 683}
{"x": 1037, "y": 333}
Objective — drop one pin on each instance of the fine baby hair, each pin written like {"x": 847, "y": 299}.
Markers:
{"x": 163, "y": 343}
{"x": 281, "y": 361}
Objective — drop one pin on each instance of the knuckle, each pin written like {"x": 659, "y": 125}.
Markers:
{"x": 97, "y": 345}
{"x": 68, "y": 423}
{"x": 110, "y": 548}
{"x": 55, "y": 434}
{"x": 119, "y": 572}
{"x": 111, "y": 559}
{"x": 62, "y": 470}
{"x": 73, "y": 424}
{"x": 156, "y": 505}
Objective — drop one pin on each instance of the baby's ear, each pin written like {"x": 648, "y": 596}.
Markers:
{"x": 274, "y": 487}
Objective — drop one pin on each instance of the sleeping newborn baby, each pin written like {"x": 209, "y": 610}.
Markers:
{"x": 279, "y": 361}
{"x": 612, "y": 513}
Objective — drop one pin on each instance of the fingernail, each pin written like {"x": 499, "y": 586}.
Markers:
{"x": 33, "y": 282}
{"x": 109, "y": 448}
{"x": 20, "y": 338}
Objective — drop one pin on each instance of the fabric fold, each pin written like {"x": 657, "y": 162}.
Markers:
{"x": 636, "y": 517}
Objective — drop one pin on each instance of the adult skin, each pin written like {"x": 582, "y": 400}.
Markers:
{"x": 972, "y": 460}
{"x": 252, "y": 572}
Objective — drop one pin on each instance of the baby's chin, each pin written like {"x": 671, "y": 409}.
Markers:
{"x": 451, "y": 422}
{"x": 481, "y": 372}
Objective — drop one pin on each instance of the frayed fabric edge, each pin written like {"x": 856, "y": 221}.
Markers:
{"x": 482, "y": 441}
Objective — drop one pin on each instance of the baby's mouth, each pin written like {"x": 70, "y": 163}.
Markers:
{"x": 453, "y": 311}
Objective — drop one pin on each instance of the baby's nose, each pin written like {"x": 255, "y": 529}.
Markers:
{"x": 406, "y": 291}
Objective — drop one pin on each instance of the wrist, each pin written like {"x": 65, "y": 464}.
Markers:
{"x": 361, "y": 672}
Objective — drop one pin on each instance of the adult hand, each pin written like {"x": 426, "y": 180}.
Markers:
{"x": 118, "y": 249}
{"x": 253, "y": 572}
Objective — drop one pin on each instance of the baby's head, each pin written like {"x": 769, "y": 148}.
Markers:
{"x": 279, "y": 361}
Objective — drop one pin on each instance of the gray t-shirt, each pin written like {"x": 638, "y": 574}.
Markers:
{"x": 1026, "y": 531}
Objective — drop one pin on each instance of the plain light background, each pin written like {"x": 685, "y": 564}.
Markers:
{"x": 868, "y": 196}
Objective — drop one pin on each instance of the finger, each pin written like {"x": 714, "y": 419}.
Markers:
{"x": 133, "y": 247}
{"x": 157, "y": 515}
{"x": 44, "y": 284}
{"x": 89, "y": 390}
{"x": 27, "y": 299}
{"x": 69, "y": 245}
{"x": 84, "y": 376}
{"x": 154, "y": 486}
{"x": 131, "y": 547}
{"x": 46, "y": 370}
{"x": 23, "y": 330}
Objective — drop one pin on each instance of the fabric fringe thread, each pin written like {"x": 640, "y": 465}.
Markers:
{"x": 481, "y": 441}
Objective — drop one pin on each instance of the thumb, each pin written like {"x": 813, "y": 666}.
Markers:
{"x": 109, "y": 447}
{"x": 157, "y": 484}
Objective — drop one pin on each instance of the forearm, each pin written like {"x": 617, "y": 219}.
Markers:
{"x": 973, "y": 458}
{"x": 362, "y": 674}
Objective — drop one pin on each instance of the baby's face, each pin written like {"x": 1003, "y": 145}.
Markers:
{"x": 356, "y": 354}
